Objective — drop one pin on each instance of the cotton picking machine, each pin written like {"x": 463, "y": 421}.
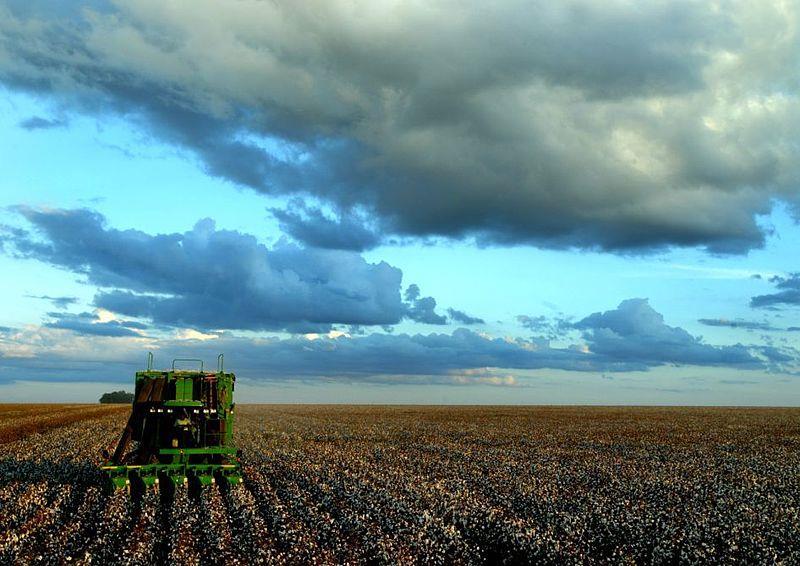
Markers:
{"x": 180, "y": 430}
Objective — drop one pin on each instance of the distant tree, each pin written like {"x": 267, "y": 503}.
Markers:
{"x": 117, "y": 397}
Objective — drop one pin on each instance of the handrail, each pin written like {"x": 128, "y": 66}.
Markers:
{"x": 187, "y": 360}
{"x": 220, "y": 363}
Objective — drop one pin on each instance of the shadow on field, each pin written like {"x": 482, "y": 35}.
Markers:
{"x": 62, "y": 472}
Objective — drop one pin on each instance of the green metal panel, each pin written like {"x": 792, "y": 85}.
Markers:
{"x": 181, "y": 403}
{"x": 183, "y": 389}
{"x": 191, "y": 451}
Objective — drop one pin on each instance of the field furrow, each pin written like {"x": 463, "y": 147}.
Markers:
{"x": 433, "y": 485}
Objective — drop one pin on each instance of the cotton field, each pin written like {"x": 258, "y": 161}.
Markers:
{"x": 429, "y": 485}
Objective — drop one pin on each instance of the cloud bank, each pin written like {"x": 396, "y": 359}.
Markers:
{"x": 209, "y": 279}
{"x": 634, "y": 331}
{"x": 601, "y": 125}
{"x": 219, "y": 279}
{"x": 632, "y": 337}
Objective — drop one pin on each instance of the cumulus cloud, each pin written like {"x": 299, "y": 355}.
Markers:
{"x": 634, "y": 331}
{"x": 788, "y": 293}
{"x": 209, "y": 278}
{"x": 610, "y": 125}
{"x": 422, "y": 309}
{"x": 463, "y": 318}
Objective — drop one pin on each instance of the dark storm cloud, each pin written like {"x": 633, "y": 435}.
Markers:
{"x": 634, "y": 331}
{"x": 592, "y": 124}
{"x": 39, "y": 123}
{"x": 209, "y": 278}
{"x": 463, "y": 318}
{"x": 58, "y": 302}
{"x": 738, "y": 323}
{"x": 314, "y": 228}
{"x": 788, "y": 294}
{"x": 90, "y": 324}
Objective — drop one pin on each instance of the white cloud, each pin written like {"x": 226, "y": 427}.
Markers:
{"x": 191, "y": 334}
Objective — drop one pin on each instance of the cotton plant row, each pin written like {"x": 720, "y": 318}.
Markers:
{"x": 332, "y": 485}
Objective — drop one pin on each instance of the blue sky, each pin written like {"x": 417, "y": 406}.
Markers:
{"x": 361, "y": 236}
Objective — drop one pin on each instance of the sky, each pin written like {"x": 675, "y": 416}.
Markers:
{"x": 382, "y": 202}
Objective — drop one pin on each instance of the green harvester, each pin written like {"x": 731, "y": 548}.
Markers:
{"x": 180, "y": 430}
